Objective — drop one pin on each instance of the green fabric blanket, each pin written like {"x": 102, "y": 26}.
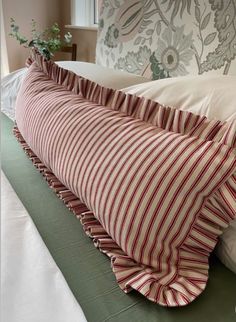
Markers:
{"x": 87, "y": 271}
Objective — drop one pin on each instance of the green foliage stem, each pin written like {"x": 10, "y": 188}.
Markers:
{"x": 47, "y": 42}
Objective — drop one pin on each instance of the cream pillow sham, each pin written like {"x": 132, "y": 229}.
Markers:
{"x": 213, "y": 96}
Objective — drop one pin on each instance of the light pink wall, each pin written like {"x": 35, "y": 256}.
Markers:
{"x": 85, "y": 39}
{"x": 86, "y": 43}
{"x": 44, "y": 12}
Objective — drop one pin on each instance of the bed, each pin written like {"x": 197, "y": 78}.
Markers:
{"x": 85, "y": 269}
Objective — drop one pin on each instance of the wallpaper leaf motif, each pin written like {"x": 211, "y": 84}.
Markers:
{"x": 209, "y": 38}
{"x": 158, "y": 28}
{"x": 138, "y": 40}
{"x": 225, "y": 23}
{"x": 157, "y": 71}
{"x": 205, "y": 21}
{"x": 197, "y": 13}
{"x": 135, "y": 62}
{"x": 110, "y": 12}
{"x": 117, "y": 3}
{"x": 121, "y": 48}
{"x": 176, "y": 6}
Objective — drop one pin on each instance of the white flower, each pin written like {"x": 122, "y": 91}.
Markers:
{"x": 68, "y": 37}
{"x": 174, "y": 52}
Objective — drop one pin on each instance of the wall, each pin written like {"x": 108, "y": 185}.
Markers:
{"x": 86, "y": 43}
{"x": 4, "y": 59}
{"x": 85, "y": 39}
{"x": 45, "y": 12}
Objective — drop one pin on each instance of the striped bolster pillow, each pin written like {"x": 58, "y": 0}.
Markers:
{"x": 153, "y": 186}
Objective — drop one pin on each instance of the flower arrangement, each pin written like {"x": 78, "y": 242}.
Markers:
{"x": 46, "y": 43}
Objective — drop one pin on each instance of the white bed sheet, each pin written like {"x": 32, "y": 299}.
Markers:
{"x": 33, "y": 288}
{"x": 10, "y": 86}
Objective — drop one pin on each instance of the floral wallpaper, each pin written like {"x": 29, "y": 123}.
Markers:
{"x": 168, "y": 38}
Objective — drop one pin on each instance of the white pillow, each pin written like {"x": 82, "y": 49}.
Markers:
{"x": 10, "y": 86}
{"x": 104, "y": 76}
{"x": 226, "y": 248}
{"x": 213, "y": 96}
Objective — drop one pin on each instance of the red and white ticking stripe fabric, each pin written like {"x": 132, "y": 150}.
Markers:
{"x": 153, "y": 186}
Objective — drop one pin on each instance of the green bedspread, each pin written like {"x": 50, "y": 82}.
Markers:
{"x": 88, "y": 271}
